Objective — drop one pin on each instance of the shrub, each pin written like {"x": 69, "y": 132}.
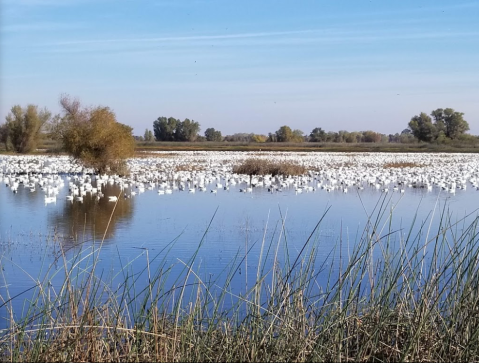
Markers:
{"x": 93, "y": 136}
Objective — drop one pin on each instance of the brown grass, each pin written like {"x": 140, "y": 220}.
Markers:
{"x": 401, "y": 164}
{"x": 257, "y": 166}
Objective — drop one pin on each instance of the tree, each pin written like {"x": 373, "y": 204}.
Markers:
{"x": 187, "y": 130}
{"x": 22, "y": 128}
{"x": 172, "y": 129}
{"x": 439, "y": 120}
{"x": 448, "y": 124}
{"x": 422, "y": 127}
{"x": 272, "y": 137}
{"x": 240, "y": 137}
{"x": 164, "y": 128}
{"x": 298, "y": 136}
{"x": 353, "y": 137}
{"x": 284, "y": 134}
{"x": 371, "y": 136}
{"x": 5, "y": 136}
{"x": 258, "y": 138}
{"x": 455, "y": 125}
{"x": 93, "y": 136}
{"x": 148, "y": 136}
{"x": 317, "y": 135}
{"x": 212, "y": 135}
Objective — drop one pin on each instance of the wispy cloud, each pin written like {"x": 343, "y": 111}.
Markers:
{"x": 58, "y": 3}
{"x": 42, "y": 26}
{"x": 271, "y": 38}
{"x": 183, "y": 38}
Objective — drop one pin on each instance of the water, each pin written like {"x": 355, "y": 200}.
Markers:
{"x": 226, "y": 223}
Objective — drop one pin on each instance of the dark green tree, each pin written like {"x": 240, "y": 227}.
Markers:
{"x": 213, "y": 135}
{"x": 187, "y": 130}
{"x": 422, "y": 127}
{"x": 164, "y": 128}
{"x": 448, "y": 124}
{"x": 317, "y": 135}
{"x": 454, "y": 123}
{"x": 5, "y": 136}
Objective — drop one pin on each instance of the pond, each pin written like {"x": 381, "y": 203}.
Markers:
{"x": 176, "y": 206}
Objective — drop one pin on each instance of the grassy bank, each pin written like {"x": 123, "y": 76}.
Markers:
{"x": 396, "y": 296}
{"x": 305, "y": 147}
{"x": 47, "y": 145}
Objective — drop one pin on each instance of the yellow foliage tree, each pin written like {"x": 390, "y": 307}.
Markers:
{"x": 93, "y": 136}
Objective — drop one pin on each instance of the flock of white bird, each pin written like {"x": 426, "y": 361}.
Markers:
{"x": 168, "y": 172}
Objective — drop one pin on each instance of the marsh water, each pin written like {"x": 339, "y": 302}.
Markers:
{"x": 226, "y": 229}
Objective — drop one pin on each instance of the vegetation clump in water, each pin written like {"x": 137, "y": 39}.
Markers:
{"x": 256, "y": 166}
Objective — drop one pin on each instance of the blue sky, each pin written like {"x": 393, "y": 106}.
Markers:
{"x": 245, "y": 66}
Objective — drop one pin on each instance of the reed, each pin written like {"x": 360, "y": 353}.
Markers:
{"x": 397, "y": 295}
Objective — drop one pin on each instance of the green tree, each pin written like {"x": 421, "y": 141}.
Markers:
{"x": 148, "y": 136}
{"x": 317, "y": 135}
{"x": 454, "y": 123}
{"x": 187, "y": 130}
{"x": 439, "y": 120}
{"x": 353, "y": 137}
{"x": 94, "y": 137}
{"x": 164, "y": 128}
{"x": 448, "y": 124}
{"x": 284, "y": 134}
{"x": 22, "y": 128}
{"x": 5, "y": 136}
{"x": 298, "y": 136}
{"x": 213, "y": 135}
{"x": 422, "y": 127}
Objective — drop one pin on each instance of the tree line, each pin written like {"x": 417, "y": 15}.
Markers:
{"x": 448, "y": 125}
{"x": 93, "y": 135}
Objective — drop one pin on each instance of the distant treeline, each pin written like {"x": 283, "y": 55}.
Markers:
{"x": 25, "y": 126}
{"x": 448, "y": 125}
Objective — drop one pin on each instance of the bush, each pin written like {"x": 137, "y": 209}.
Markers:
{"x": 94, "y": 137}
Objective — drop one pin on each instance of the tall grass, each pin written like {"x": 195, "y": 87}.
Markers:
{"x": 407, "y": 295}
{"x": 256, "y": 166}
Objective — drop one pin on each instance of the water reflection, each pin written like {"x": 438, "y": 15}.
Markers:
{"x": 92, "y": 219}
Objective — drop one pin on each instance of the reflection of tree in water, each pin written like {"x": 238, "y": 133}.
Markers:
{"x": 88, "y": 221}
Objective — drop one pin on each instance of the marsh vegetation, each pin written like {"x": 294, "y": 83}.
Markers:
{"x": 384, "y": 303}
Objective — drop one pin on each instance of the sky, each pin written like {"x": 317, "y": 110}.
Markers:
{"x": 245, "y": 66}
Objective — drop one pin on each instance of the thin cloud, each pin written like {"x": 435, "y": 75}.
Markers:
{"x": 43, "y": 26}
{"x": 39, "y": 3}
{"x": 183, "y": 38}
{"x": 272, "y": 38}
